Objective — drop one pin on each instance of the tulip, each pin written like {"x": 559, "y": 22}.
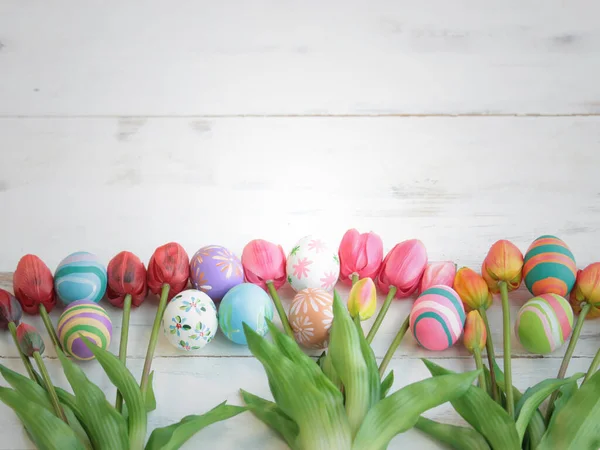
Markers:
{"x": 168, "y": 273}
{"x": 264, "y": 265}
{"x": 438, "y": 273}
{"x": 126, "y": 287}
{"x": 400, "y": 274}
{"x": 502, "y": 269}
{"x": 475, "y": 340}
{"x": 33, "y": 285}
{"x": 362, "y": 300}
{"x": 10, "y": 316}
{"x": 360, "y": 256}
{"x": 32, "y": 345}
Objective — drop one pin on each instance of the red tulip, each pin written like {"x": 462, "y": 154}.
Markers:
{"x": 30, "y": 340}
{"x": 170, "y": 265}
{"x": 403, "y": 268}
{"x": 264, "y": 261}
{"x": 33, "y": 285}
{"x": 10, "y": 309}
{"x": 360, "y": 254}
{"x": 438, "y": 273}
{"x": 126, "y": 275}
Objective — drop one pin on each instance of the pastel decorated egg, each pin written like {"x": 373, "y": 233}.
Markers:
{"x": 312, "y": 264}
{"x": 544, "y": 323}
{"x": 214, "y": 270}
{"x": 80, "y": 276}
{"x": 549, "y": 267}
{"x": 84, "y": 318}
{"x": 190, "y": 320}
{"x": 437, "y": 318}
{"x": 310, "y": 317}
{"x": 247, "y": 303}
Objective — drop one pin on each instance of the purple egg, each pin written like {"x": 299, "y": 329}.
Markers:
{"x": 215, "y": 270}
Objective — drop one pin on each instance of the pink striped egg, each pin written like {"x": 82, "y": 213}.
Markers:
{"x": 437, "y": 318}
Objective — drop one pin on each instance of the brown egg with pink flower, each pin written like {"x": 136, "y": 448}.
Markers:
{"x": 310, "y": 316}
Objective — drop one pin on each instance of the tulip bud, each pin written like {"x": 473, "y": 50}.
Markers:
{"x": 360, "y": 254}
{"x": 30, "y": 341}
{"x": 170, "y": 265}
{"x": 587, "y": 290}
{"x": 472, "y": 289}
{"x": 33, "y": 285}
{"x": 10, "y": 309}
{"x": 438, "y": 273}
{"x": 475, "y": 334}
{"x": 362, "y": 301}
{"x": 403, "y": 268}
{"x": 504, "y": 262}
{"x": 264, "y": 261}
{"x": 126, "y": 275}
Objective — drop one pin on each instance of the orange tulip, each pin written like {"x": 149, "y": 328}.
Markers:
{"x": 472, "y": 289}
{"x": 504, "y": 262}
{"x": 587, "y": 290}
{"x": 475, "y": 334}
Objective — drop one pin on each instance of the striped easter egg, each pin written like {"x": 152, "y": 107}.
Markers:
{"x": 87, "y": 318}
{"x": 544, "y": 323}
{"x": 80, "y": 276}
{"x": 549, "y": 267}
{"x": 437, "y": 318}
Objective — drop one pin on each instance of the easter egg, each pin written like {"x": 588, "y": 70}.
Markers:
{"x": 87, "y": 318}
{"x": 310, "y": 317}
{"x": 80, "y": 276}
{"x": 312, "y": 264}
{"x": 244, "y": 303}
{"x": 544, "y": 323}
{"x": 190, "y": 320}
{"x": 549, "y": 267}
{"x": 437, "y": 318}
{"x": 214, "y": 270}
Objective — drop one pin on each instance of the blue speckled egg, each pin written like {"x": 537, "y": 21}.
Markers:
{"x": 247, "y": 303}
{"x": 80, "y": 276}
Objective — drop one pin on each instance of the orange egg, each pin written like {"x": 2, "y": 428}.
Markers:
{"x": 310, "y": 316}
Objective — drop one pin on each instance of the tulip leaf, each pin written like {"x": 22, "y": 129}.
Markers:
{"x": 174, "y": 436}
{"x": 387, "y": 383}
{"x": 400, "y": 411}
{"x": 458, "y": 438}
{"x": 149, "y": 397}
{"x": 369, "y": 357}
{"x": 270, "y": 414}
{"x": 47, "y": 431}
{"x": 484, "y": 414}
{"x": 564, "y": 394}
{"x": 329, "y": 371}
{"x": 106, "y": 428}
{"x": 575, "y": 426}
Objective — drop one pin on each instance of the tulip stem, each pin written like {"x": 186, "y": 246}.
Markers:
{"x": 26, "y": 362}
{"x": 393, "y": 346}
{"x": 491, "y": 356}
{"x": 279, "y": 307}
{"x": 49, "y": 327}
{"x": 355, "y": 278}
{"x": 123, "y": 343}
{"x": 382, "y": 313}
{"x": 479, "y": 365}
{"x": 510, "y": 404}
{"x": 49, "y": 386}
{"x": 567, "y": 358}
{"x": 162, "y": 305}
{"x": 593, "y": 367}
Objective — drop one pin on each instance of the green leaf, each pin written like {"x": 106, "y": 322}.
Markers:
{"x": 484, "y": 414}
{"x": 149, "y": 398}
{"x": 329, "y": 371}
{"x": 270, "y": 414}
{"x": 386, "y": 384}
{"x": 576, "y": 425}
{"x": 534, "y": 396}
{"x": 46, "y": 430}
{"x": 564, "y": 394}
{"x": 400, "y": 411}
{"x": 458, "y": 438}
{"x": 369, "y": 357}
{"x": 106, "y": 428}
{"x": 175, "y": 435}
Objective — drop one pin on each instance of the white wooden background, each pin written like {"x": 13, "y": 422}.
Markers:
{"x": 125, "y": 125}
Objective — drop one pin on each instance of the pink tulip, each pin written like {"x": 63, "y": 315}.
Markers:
{"x": 403, "y": 268}
{"x": 360, "y": 254}
{"x": 264, "y": 261}
{"x": 438, "y": 273}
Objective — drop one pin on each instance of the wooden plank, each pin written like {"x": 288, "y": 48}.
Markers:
{"x": 276, "y": 58}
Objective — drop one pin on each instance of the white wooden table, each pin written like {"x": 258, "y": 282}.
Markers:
{"x": 125, "y": 125}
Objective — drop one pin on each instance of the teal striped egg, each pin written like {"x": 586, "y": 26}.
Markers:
{"x": 80, "y": 276}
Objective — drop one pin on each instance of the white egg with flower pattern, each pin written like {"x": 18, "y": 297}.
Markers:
{"x": 312, "y": 264}
{"x": 190, "y": 320}
{"x": 311, "y": 315}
